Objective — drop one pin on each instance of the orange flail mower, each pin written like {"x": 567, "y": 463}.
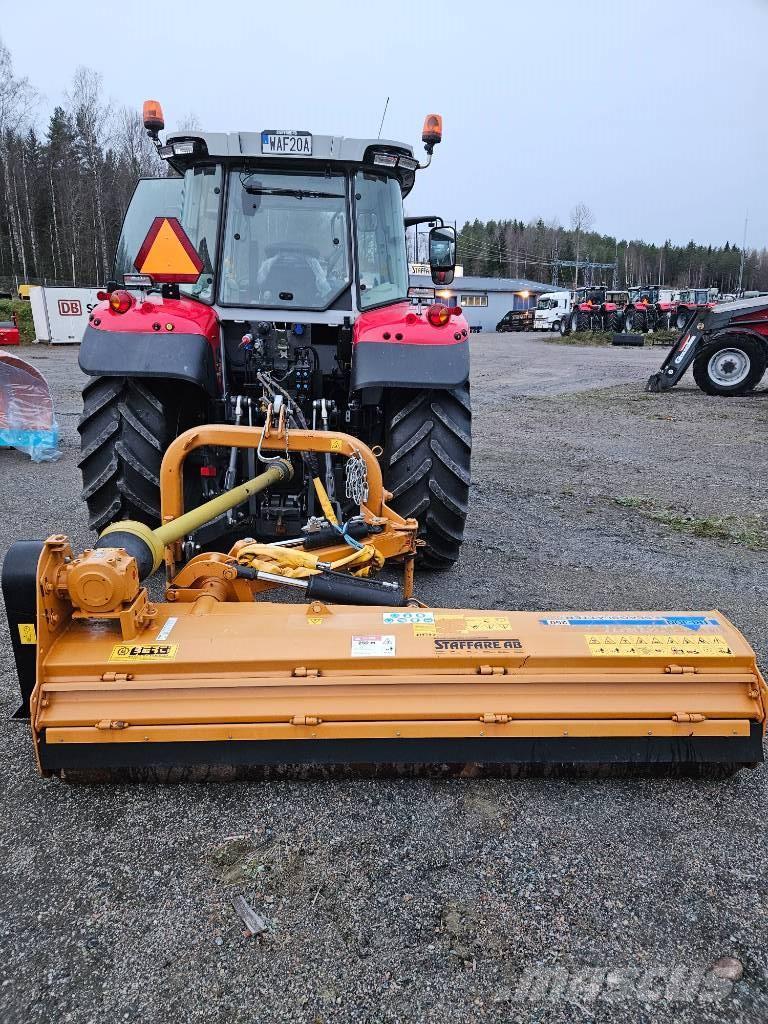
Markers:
{"x": 359, "y": 671}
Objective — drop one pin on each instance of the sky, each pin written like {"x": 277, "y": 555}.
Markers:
{"x": 652, "y": 113}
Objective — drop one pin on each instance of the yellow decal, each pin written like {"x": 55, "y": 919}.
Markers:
{"x": 144, "y": 652}
{"x": 641, "y": 645}
{"x": 27, "y": 633}
{"x": 488, "y": 624}
{"x": 423, "y": 629}
{"x": 315, "y": 620}
{"x": 336, "y": 444}
{"x": 469, "y": 625}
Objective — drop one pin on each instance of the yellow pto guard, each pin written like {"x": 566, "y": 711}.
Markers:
{"x": 357, "y": 674}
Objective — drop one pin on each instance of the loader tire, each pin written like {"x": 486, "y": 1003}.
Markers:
{"x": 731, "y": 364}
{"x": 124, "y": 431}
{"x": 426, "y": 462}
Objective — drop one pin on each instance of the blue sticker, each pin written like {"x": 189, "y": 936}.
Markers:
{"x": 692, "y": 622}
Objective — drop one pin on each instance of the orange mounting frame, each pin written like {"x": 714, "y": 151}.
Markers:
{"x": 331, "y": 442}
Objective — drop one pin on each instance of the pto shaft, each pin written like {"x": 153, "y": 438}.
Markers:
{"x": 147, "y": 545}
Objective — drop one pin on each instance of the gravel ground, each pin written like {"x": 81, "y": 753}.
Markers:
{"x": 431, "y": 899}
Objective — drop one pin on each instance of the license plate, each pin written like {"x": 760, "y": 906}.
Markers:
{"x": 286, "y": 143}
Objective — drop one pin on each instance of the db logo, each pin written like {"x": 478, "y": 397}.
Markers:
{"x": 70, "y": 307}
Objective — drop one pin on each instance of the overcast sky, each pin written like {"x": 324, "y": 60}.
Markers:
{"x": 652, "y": 113}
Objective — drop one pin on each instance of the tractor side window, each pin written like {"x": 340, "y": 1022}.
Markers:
{"x": 200, "y": 203}
{"x": 381, "y": 255}
{"x": 152, "y": 197}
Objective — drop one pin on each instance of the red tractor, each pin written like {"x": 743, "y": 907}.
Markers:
{"x": 586, "y": 310}
{"x": 648, "y": 309}
{"x": 727, "y": 344}
{"x": 612, "y": 309}
{"x": 270, "y": 272}
{"x": 690, "y": 301}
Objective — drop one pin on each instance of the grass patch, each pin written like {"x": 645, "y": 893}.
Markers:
{"x": 23, "y": 311}
{"x": 597, "y": 338}
{"x": 745, "y": 531}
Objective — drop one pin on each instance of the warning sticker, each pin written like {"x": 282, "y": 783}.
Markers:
{"x": 487, "y": 624}
{"x": 423, "y": 629}
{"x": 373, "y": 646}
{"x": 403, "y": 618}
{"x": 144, "y": 652}
{"x": 642, "y": 645}
{"x": 27, "y": 633}
{"x": 453, "y": 624}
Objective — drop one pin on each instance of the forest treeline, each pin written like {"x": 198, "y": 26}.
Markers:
{"x": 67, "y": 176}
{"x": 511, "y": 248}
{"x": 64, "y": 188}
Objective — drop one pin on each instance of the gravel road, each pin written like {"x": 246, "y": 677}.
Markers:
{"x": 439, "y": 899}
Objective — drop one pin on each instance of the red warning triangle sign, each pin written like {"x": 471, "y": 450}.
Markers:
{"x": 167, "y": 255}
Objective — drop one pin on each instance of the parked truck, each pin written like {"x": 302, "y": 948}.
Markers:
{"x": 552, "y": 310}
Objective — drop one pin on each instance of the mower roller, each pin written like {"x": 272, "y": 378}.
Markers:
{"x": 359, "y": 672}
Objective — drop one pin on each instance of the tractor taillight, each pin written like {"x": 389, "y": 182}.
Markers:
{"x": 120, "y": 301}
{"x": 438, "y": 315}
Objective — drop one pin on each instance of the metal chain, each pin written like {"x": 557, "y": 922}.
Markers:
{"x": 357, "y": 479}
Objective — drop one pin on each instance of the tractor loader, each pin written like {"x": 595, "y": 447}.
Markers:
{"x": 211, "y": 679}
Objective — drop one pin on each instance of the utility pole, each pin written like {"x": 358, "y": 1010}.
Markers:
{"x": 555, "y": 264}
{"x": 743, "y": 247}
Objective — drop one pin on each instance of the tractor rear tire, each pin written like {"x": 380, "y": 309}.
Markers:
{"x": 427, "y": 461}
{"x": 612, "y": 322}
{"x": 636, "y": 321}
{"x": 565, "y": 326}
{"x": 739, "y": 357}
{"x": 124, "y": 431}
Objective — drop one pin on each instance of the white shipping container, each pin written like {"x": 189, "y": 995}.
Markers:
{"x": 61, "y": 314}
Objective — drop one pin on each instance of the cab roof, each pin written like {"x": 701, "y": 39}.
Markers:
{"x": 324, "y": 147}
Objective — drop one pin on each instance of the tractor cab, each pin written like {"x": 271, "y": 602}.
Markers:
{"x": 269, "y": 271}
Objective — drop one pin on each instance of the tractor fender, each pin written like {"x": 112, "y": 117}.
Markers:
{"x": 397, "y": 346}
{"x": 735, "y": 328}
{"x": 184, "y": 357}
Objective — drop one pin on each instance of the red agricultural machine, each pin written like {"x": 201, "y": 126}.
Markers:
{"x": 690, "y": 301}
{"x": 648, "y": 309}
{"x": 727, "y": 344}
{"x": 586, "y": 310}
{"x": 271, "y": 271}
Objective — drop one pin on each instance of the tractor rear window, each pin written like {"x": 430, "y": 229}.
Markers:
{"x": 286, "y": 243}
